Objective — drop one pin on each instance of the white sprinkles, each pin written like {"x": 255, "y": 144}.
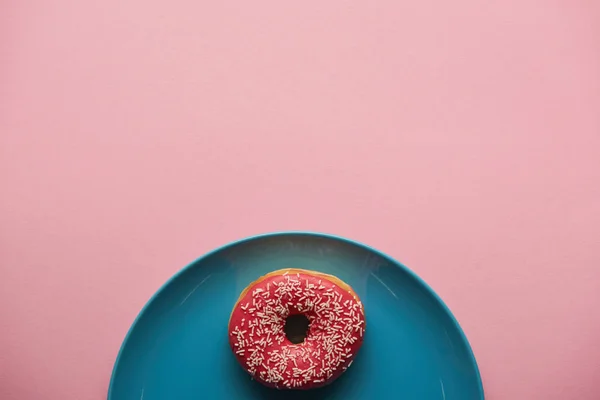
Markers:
{"x": 337, "y": 326}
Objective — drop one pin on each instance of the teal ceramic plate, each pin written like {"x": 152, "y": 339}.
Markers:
{"x": 177, "y": 348}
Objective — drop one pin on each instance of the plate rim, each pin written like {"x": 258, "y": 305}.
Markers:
{"x": 392, "y": 260}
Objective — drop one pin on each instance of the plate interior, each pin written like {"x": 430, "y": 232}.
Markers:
{"x": 177, "y": 348}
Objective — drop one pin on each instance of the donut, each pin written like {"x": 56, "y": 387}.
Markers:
{"x": 262, "y": 337}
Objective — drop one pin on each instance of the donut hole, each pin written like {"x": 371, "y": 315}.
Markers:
{"x": 296, "y": 328}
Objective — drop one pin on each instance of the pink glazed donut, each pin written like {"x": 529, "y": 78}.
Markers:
{"x": 334, "y": 330}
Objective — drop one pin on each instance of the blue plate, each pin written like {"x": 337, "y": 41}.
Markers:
{"x": 177, "y": 348}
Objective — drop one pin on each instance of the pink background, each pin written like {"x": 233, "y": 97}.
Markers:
{"x": 461, "y": 137}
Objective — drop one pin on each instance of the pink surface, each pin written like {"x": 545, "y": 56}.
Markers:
{"x": 463, "y": 138}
